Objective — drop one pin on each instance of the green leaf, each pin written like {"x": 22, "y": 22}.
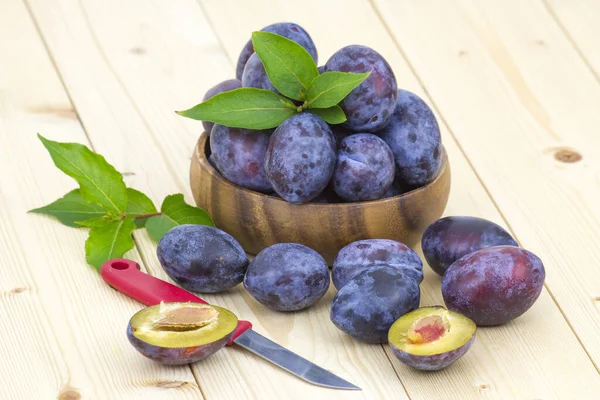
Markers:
{"x": 97, "y": 222}
{"x": 100, "y": 182}
{"x": 175, "y": 212}
{"x": 290, "y": 68}
{"x": 331, "y": 87}
{"x": 110, "y": 241}
{"x": 71, "y": 208}
{"x": 139, "y": 204}
{"x": 248, "y": 108}
{"x": 332, "y": 115}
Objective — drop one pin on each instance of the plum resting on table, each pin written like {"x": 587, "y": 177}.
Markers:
{"x": 201, "y": 258}
{"x": 255, "y": 76}
{"x": 364, "y": 169}
{"x": 225, "y": 86}
{"x": 363, "y": 254}
{"x": 300, "y": 159}
{"x": 450, "y": 238}
{"x": 287, "y": 29}
{"x": 494, "y": 285}
{"x": 239, "y": 155}
{"x": 369, "y": 303}
{"x": 414, "y": 137}
{"x": 287, "y": 277}
{"x": 369, "y": 107}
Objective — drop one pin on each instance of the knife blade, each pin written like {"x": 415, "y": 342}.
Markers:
{"x": 126, "y": 276}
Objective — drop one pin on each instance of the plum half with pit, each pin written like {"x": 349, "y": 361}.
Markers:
{"x": 494, "y": 285}
{"x": 225, "y": 86}
{"x": 287, "y": 277}
{"x": 180, "y": 333}
{"x": 369, "y": 303}
{"x": 431, "y": 338}
{"x": 364, "y": 254}
{"x": 450, "y": 238}
{"x": 201, "y": 258}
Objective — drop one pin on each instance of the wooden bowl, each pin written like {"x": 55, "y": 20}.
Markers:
{"x": 257, "y": 220}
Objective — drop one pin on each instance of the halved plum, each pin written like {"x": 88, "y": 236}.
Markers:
{"x": 431, "y": 338}
{"x": 180, "y": 333}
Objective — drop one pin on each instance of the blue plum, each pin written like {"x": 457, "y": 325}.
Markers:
{"x": 369, "y": 107}
{"x": 450, "y": 238}
{"x": 414, "y": 137}
{"x": 287, "y": 277}
{"x": 301, "y": 157}
{"x": 364, "y": 169}
{"x": 255, "y": 75}
{"x": 225, "y": 86}
{"x": 239, "y": 155}
{"x": 363, "y": 254}
{"x": 202, "y": 258}
{"x": 369, "y": 303}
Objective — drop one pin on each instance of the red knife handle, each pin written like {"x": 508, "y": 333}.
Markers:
{"x": 126, "y": 276}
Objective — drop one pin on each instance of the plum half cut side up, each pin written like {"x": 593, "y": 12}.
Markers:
{"x": 431, "y": 338}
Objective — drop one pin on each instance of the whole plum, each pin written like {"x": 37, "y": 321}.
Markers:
{"x": 202, "y": 258}
{"x": 363, "y": 254}
{"x": 287, "y": 29}
{"x": 239, "y": 155}
{"x": 450, "y": 238}
{"x": 255, "y": 76}
{"x": 287, "y": 277}
{"x": 301, "y": 157}
{"x": 494, "y": 285}
{"x": 364, "y": 169}
{"x": 369, "y": 303}
{"x": 225, "y": 86}
{"x": 369, "y": 107}
{"x": 414, "y": 137}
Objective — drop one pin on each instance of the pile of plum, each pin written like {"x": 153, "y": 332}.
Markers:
{"x": 389, "y": 144}
{"x": 487, "y": 280}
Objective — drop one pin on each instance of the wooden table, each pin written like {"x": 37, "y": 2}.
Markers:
{"x": 515, "y": 86}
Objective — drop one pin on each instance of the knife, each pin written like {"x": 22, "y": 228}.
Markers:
{"x": 126, "y": 277}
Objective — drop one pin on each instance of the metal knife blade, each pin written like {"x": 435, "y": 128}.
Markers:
{"x": 291, "y": 362}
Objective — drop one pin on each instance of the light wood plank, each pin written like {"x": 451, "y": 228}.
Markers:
{"x": 544, "y": 369}
{"x": 63, "y": 329}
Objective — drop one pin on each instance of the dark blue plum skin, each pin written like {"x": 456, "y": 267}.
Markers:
{"x": 327, "y": 196}
{"x": 393, "y": 191}
{"x": 413, "y": 135}
{"x": 301, "y": 158}
{"x": 239, "y": 155}
{"x": 176, "y": 355}
{"x": 364, "y": 169}
{"x": 211, "y": 161}
{"x": 494, "y": 285}
{"x": 434, "y": 362}
{"x": 369, "y": 107}
{"x": 364, "y": 254}
{"x": 202, "y": 258}
{"x": 450, "y": 238}
{"x": 255, "y": 75}
{"x": 287, "y": 277}
{"x": 287, "y": 29}
{"x": 225, "y": 86}
{"x": 321, "y": 69}
{"x": 368, "y": 304}
{"x": 340, "y": 133}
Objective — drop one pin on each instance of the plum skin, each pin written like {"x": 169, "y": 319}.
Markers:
{"x": 413, "y": 135}
{"x": 363, "y": 254}
{"x": 225, "y": 86}
{"x": 369, "y": 303}
{"x": 255, "y": 76}
{"x": 450, "y": 238}
{"x": 368, "y": 107}
{"x": 433, "y": 362}
{"x": 287, "y": 29}
{"x": 494, "y": 285}
{"x": 364, "y": 169}
{"x": 287, "y": 277}
{"x": 176, "y": 355}
{"x": 201, "y": 258}
{"x": 300, "y": 158}
{"x": 239, "y": 155}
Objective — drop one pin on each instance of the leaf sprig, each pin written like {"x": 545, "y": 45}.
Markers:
{"x": 293, "y": 72}
{"x": 111, "y": 210}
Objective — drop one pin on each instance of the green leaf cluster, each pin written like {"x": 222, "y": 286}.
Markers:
{"x": 111, "y": 210}
{"x": 294, "y": 74}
